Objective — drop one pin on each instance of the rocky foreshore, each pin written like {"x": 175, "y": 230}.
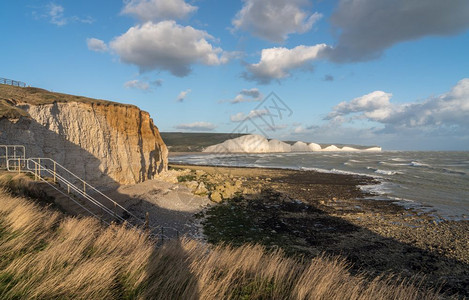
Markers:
{"x": 309, "y": 213}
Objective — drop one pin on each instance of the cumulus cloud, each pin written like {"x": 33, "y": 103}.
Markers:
{"x": 274, "y": 20}
{"x": 374, "y": 106}
{"x": 239, "y": 117}
{"x": 277, "y": 63}
{"x": 166, "y": 46}
{"x": 96, "y": 45}
{"x": 157, "y": 10}
{"x": 246, "y": 95}
{"x": 449, "y": 110}
{"x": 368, "y": 27}
{"x": 196, "y": 126}
{"x": 182, "y": 95}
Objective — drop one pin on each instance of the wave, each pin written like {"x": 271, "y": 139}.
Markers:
{"x": 419, "y": 164}
{"x": 386, "y": 172}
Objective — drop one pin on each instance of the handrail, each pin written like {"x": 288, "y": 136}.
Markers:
{"x": 60, "y": 178}
{"x": 85, "y": 184}
{"x": 22, "y": 153}
{"x": 12, "y": 82}
{"x": 36, "y": 166}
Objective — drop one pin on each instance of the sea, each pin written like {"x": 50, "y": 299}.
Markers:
{"x": 436, "y": 183}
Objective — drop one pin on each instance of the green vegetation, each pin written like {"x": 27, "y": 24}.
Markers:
{"x": 185, "y": 178}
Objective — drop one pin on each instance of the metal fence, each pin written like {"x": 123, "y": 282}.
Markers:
{"x": 12, "y": 82}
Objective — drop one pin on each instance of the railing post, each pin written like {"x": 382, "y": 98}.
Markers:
{"x": 55, "y": 177}
{"x": 19, "y": 165}
{"x": 115, "y": 212}
{"x": 68, "y": 188}
{"x": 39, "y": 166}
{"x": 84, "y": 187}
{"x": 147, "y": 222}
{"x": 35, "y": 171}
{"x": 162, "y": 234}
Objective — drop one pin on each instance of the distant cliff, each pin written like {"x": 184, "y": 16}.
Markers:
{"x": 104, "y": 142}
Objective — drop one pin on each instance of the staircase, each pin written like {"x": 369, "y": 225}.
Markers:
{"x": 70, "y": 192}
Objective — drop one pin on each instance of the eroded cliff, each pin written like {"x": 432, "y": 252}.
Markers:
{"x": 101, "y": 141}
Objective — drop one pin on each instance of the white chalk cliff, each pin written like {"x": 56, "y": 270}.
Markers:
{"x": 258, "y": 144}
{"x": 103, "y": 142}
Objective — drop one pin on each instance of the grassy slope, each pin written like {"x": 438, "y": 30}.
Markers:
{"x": 12, "y": 95}
{"x": 44, "y": 254}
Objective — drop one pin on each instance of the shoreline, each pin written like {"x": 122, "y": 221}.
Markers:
{"x": 308, "y": 213}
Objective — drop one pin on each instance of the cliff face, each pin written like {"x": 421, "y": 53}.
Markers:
{"x": 102, "y": 142}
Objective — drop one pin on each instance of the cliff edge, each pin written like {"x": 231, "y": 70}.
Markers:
{"x": 101, "y": 141}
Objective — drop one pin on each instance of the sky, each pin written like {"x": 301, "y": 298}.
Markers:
{"x": 368, "y": 72}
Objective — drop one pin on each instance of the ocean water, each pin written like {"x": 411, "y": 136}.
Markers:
{"x": 435, "y": 182}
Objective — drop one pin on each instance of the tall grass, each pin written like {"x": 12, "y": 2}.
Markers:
{"x": 44, "y": 254}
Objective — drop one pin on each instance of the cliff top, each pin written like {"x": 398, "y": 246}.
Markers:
{"x": 10, "y": 96}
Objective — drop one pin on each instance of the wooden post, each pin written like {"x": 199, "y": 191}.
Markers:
{"x": 19, "y": 165}
{"x": 39, "y": 166}
{"x": 115, "y": 213}
{"x": 84, "y": 187}
{"x": 68, "y": 188}
{"x": 55, "y": 169}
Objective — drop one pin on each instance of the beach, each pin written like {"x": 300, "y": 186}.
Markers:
{"x": 309, "y": 213}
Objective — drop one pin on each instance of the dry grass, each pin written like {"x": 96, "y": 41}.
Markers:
{"x": 44, "y": 254}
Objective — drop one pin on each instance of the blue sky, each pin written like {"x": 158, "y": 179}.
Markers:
{"x": 374, "y": 72}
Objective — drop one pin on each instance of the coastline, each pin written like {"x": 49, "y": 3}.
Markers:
{"x": 309, "y": 213}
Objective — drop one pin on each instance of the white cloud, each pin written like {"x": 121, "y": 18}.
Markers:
{"x": 136, "y": 84}
{"x": 274, "y": 20}
{"x": 368, "y": 27}
{"x": 277, "y": 63}
{"x": 374, "y": 106}
{"x": 182, "y": 95}
{"x": 246, "y": 95}
{"x": 157, "y": 10}
{"x": 142, "y": 85}
{"x": 449, "y": 110}
{"x": 56, "y": 15}
{"x": 166, "y": 46}
{"x": 239, "y": 117}
{"x": 96, "y": 45}
{"x": 197, "y": 126}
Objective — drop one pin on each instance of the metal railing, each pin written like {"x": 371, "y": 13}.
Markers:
{"x": 11, "y": 151}
{"x": 12, "y": 82}
{"x": 73, "y": 187}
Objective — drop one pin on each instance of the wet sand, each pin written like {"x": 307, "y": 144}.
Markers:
{"x": 309, "y": 213}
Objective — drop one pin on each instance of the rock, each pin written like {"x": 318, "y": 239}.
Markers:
{"x": 192, "y": 185}
{"x": 201, "y": 189}
{"x": 103, "y": 142}
{"x": 216, "y": 197}
{"x": 200, "y": 173}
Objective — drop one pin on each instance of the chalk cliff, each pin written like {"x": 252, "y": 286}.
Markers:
{"x": 101, "y": 141}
